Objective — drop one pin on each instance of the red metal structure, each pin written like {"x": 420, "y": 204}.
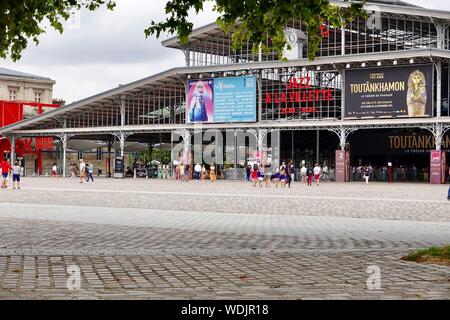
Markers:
{"x": 15, "y": 111}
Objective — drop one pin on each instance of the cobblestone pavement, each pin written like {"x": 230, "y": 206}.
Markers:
{"x": 152, "y": 239}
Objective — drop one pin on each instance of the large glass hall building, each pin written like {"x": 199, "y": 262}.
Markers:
{"x": 377, "y": 93}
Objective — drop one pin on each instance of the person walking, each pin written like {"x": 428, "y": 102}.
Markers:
{"x": 54, "y": 170}
{"x": 90, "y": 175}
{"x": 212, "y": 173}
{"x": 73, "y": 171}
{"x": 309, "y": 175}
{"x": 366, "y": 174}
{"x": 248, "y": 171}
{"x": 181, "y": 170}
{"x": 187, "y": 172}
{"x": 197, "y": 171}
{"x": 6, "y": 168}
{"x": 204, "y": 173}
{"x": 303, "y": 170}
{"x": 82, "y": 171}
{"x": 268, "y": 174}
{"x": 317, "y": 172}
{"x": 16, "y": 175}
{"x": 254, "y": 175}
{"x": 325, "y": 172}
{"x": 289, "y": 171}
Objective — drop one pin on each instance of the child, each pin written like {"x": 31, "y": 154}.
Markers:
{"x": 16, "y": 175}
{"x": 254, "y": 175}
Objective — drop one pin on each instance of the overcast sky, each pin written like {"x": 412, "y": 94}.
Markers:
{"x": 100, "y": 50}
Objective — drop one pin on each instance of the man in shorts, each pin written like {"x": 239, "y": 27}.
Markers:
{"x": 6, "y": 168}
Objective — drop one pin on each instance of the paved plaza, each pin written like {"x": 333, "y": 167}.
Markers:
{"x": 161, "y": 239}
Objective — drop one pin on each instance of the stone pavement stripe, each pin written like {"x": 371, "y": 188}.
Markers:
{"x": 237, "y": 195}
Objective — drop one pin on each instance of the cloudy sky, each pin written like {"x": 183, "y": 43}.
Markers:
{"x": 101, "y": 50}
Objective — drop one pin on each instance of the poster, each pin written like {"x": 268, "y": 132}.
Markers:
{"x": 403, "y": 91}
{"x": 222, "y": 100}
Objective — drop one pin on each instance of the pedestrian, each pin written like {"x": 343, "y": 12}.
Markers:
{"x": 73, "y": 171}
{"x": 303, "y": 173}
{"x": 212, "y": 173}
{"x": 181, "y": 170}
{"x": 289, "y": 171}
{"x": 254, "y": 175}
{"x": 282, "y": 179}
{"x": 177, "y": 172}
{"x": 54, "y": 170}
{"x": 309, "y": 175}
{"x": 197, "y": 171}
{"x": 268, "y": 174}
{"x": 16, "y": 175}
{"x": 6, "y": 168}
{"x": 82, "y": 170}
{"x": 366, "y": 174}
{"x": 186, "y": 172}
{"x": 90, "y": 175}
{"x": 248, "y": 170}
{"x": 325, "y": 172}
{"x": 317, "y": 171}
{"x": 204, "y": 173}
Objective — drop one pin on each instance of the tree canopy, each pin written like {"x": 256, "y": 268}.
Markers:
{"x": 247, "y": 20}
{"x": 259, "y": 20}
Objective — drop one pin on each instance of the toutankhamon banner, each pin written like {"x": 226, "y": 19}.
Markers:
{"x": 403, "y": 91}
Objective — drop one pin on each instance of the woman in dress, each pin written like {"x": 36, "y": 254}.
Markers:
{"x": 212, "y": 173}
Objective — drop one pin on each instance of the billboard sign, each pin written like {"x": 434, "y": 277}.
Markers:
{"x": 222, "y": 100}
{"x": 403, "y": 91}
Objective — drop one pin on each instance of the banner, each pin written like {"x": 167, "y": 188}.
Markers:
{"x": 222, "y": 100}
{"x": 404, "y": 91}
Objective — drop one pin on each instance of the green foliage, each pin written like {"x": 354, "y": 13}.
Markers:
{"x": 154, "y": 154}
{"x": 260, "y": 21}
{"x": 22, "y": 20}
{"x": 434, "y": 252}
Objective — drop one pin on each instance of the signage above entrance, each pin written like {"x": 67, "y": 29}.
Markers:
{"x": 404, "y": 91}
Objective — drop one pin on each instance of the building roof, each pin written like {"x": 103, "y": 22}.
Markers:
{"x": 389, "y": 6}
{"x": 18, "y": 74}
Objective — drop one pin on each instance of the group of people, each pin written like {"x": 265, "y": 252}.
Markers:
{"x": 318, "y": 173}
{"x": 84, "y": 171}
{"x": 7, "y": 169}
{"x": 182, "y": 172}
{"x": 258, "y": 174}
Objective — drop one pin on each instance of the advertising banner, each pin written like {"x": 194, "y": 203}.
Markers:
{"x": 403, "y": 91}
{"x": 222, "y": 100}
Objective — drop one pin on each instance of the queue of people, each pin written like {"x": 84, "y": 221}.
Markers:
{"x": 182, "y": 172}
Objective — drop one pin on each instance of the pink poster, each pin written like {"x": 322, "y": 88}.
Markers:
{"x": 200, "y": 101}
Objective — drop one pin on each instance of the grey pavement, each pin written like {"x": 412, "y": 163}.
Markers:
{"x": 151, "y": 239}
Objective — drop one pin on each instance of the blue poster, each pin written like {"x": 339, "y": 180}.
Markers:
{"x": 222, "y": 100}
{"x": 235, "y": 99}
